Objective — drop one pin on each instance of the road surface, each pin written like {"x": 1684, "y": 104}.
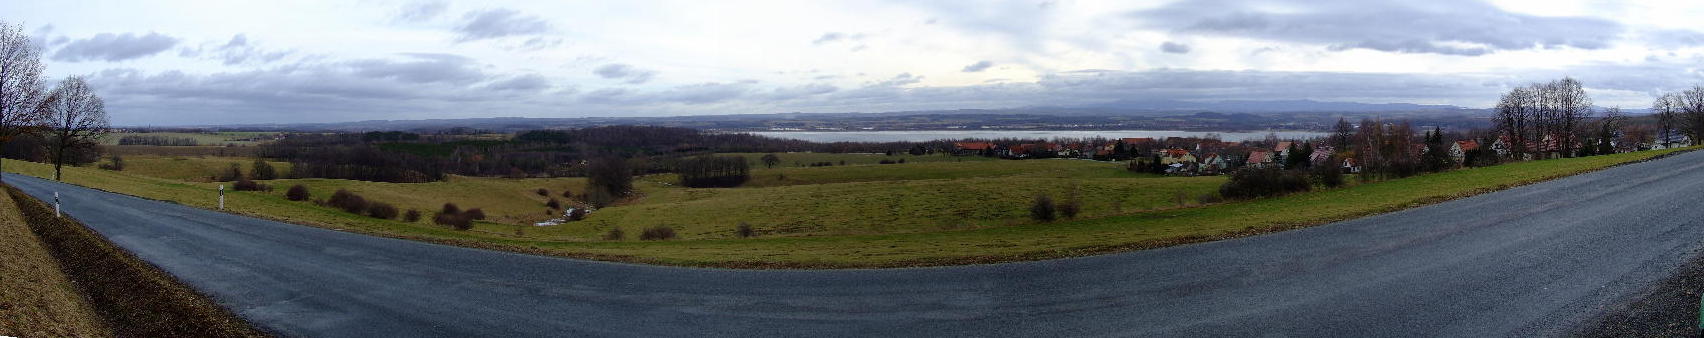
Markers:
{"x": 1542, "y": 259}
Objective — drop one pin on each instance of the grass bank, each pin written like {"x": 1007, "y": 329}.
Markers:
{"x": 134, "y": 298}
{"x": 890, "y": 223}
{"x": 36, "y": 298}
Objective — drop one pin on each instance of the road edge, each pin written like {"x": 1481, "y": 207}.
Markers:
{"x": 135, "y": 298}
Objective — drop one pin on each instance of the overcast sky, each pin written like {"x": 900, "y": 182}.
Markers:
{"x": 202, "y": 62}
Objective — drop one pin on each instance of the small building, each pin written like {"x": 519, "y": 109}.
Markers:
{"x": 1177, "y": 156}
{"x": 1458, "y": 151}
{"x": 972, "y": 148}
{"x": 1259, "y": 159}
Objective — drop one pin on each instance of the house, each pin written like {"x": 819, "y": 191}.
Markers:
{"x": 1259, "y": 159}
{"x": 972, "y": 148}
{"x": 1213, "y": 164}
{"x": 1281, "y": 151}
{"x": 1349, "y": 166}
{"x": 1458, "y": 151}
{"x": 1177, "y": 156}
{"x": 1321, "y": 154}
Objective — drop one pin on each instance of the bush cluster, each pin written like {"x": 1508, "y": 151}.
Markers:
{"x": 347, "y": 201}
{"x": 297, "y": 193}
{"x": 657, "y": 233}
{"x": 381, "y": 210}
{"x": 248, "y": 185}
{"x": 452, "y": 216}
{"x": 1264, "y": 182}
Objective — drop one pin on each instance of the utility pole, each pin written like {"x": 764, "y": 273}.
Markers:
{"x": 221, "y": 197}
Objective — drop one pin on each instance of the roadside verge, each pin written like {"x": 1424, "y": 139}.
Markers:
{"x": 133, "y": 297}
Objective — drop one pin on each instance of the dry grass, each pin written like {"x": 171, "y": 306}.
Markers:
{"x": 135, "y": 298}
{"x": 36, "y": 298}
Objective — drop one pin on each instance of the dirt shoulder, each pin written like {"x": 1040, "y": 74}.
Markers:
{"x": 37, "y": 299}
{"x": 130, "y": 296}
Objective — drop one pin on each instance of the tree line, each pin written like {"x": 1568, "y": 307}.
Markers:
{"x": 66, "y": 122}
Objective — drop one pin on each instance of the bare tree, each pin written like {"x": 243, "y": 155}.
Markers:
{"x": 1571, "y": 108}
{"x": 76, "y": 118}
{"x": 1667, "y": 109}
{"x": 20, "y": 83}
{"x": 1342, "y": 135}
{"x": 1691, "y": 104}
{"x": 1516, "y": 113}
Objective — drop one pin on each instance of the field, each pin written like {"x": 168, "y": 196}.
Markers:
{"x": 870, "y": 215}
{"x": 205, "y": 139}
{"x": 36, "y": 299}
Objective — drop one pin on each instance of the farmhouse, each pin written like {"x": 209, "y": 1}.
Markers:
{"x": 1458, "y": 151}
{"x": 972, "y": 148}
{"x": 1177, "y": 156}
{"x": 1259, "y": 159}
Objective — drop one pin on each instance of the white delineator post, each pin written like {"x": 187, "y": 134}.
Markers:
{"x": 221, "y": 197}
{"x": 56, "y": 212}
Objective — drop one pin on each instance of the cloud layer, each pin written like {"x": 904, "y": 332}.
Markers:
{"x": 114, "y": 47}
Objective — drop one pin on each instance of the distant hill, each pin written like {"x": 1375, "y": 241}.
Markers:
{"x": 1158, "y": 115}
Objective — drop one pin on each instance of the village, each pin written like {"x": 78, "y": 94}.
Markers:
{"x": 1202, "y": 156}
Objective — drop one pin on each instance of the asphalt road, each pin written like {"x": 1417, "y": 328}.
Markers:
{"x": 1542, "y": 259}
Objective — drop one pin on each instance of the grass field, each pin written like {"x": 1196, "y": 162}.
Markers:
{"x": 205, "y": 139}
{"x": 36, "y": 298}
{"x": 863, "y": 215}
{"x": 191, "y": 168}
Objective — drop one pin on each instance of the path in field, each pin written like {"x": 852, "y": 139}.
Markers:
{"x": 1540, "y": 259}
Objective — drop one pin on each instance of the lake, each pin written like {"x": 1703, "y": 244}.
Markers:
{"x": 931, "y": 135}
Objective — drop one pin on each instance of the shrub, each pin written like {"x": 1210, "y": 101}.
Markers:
{"x": 348, "y": 201}
{"x": 1327, "y": 175}
{"x": 1069, "y": 208}
{"x": 475, "y": 214}
{"x": 901, "y": 161}
{"x": 263, "y": 170}
{"x": 657, "y": 233}
{"x": 247, "y": 185}
{"x": 381, "y": 210}
{"x": 744, "y": 230}
{"x": 553, "y": 204}
{"x": 411, "y": 216}
{"x": 297, "y": 193}
{"x": 577, "y": 214}
{"x": 456, "y": 221}
{"x": 1042, "y": 210}
{"x": 1263, "y": 182}
{"x": 614, "y": 234}
{"x": 231, "y": 174}
{"x": 542, "y": 192}
{"x": 450, "y": 208}
{"x": 117, "y": 163}
{"x": 600, "y": 198}
{"x": 567, "y": 194}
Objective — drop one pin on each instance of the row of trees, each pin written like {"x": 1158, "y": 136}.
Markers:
{"x": 1543, "y": 117}
{"x": 1680, "y": 113}
{"x": 70, "y": 117}
{"x": 710, "y": 171}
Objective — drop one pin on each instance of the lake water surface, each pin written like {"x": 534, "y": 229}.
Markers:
{"x": 931, "y": 135}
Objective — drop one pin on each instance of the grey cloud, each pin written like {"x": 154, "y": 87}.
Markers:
{"x": 978, "y": 66}
{"x": 624, "y": 72}
{"x": 420, "y": 11}
{"x": 114, "y": 47}
{"x": 1449, "y": 27}
{"x": 899, "y": 80}
{"x": 238, "y": 50}
{"x": 789, "y": 93}
{"x": 497, "y": 23}
{"x": 524, "y": 83}
{"x": 420, "y": 68}
{"x": 1174, "y": 48}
